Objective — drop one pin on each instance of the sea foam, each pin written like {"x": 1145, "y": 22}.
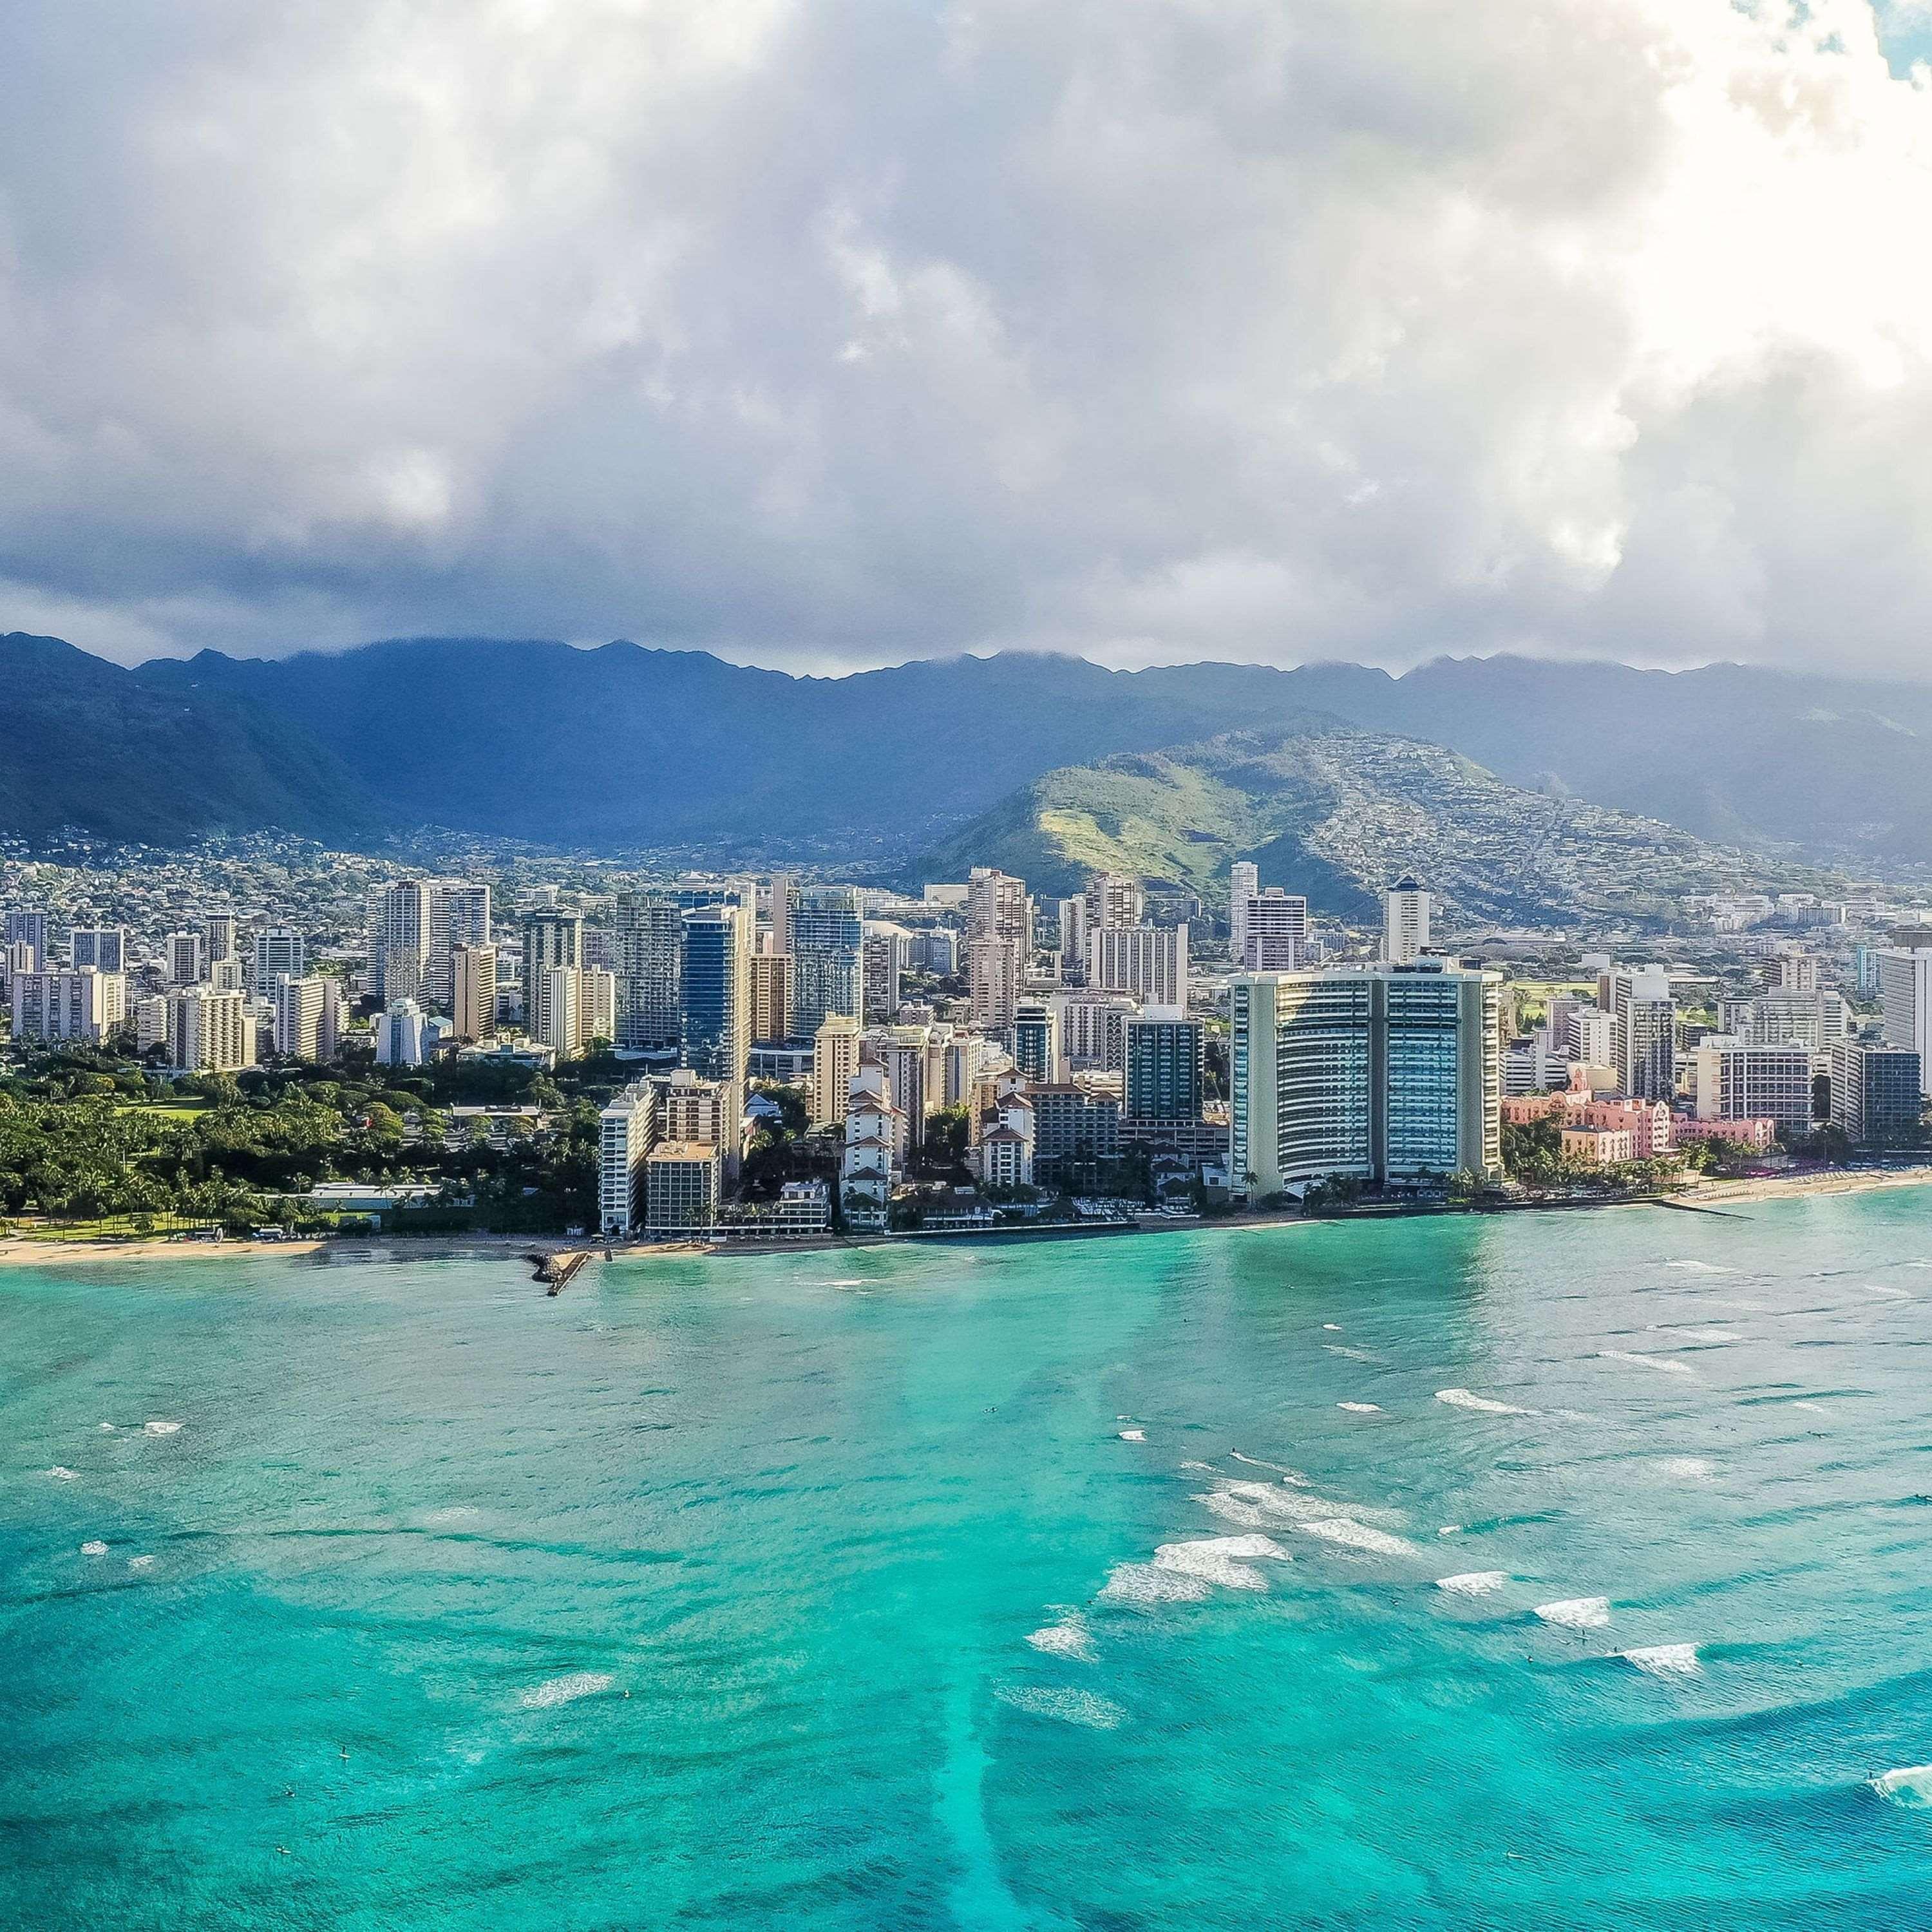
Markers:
{"x": 94, "y": 1550}
{"x": 1294, "y": 1476}
{"x": 1351, "y": 1535}
{"x": 1462, "y": 1398}
{"x": 1664, "y": 1660}
{"x": 1133, "y": 1435}
{"x": 60, "y": 1473}
{"x": 1226, "y": 1561}
{"x": 1069, "y": 1707}
{"x": 565, "y": 1689}
{"x": 1577, "y": 1613}
{"x": 1066, "y": 1636}
{"x": 1662, "y": 1362}
{"x": 1686, "y": 1469}
{"x": 1700, "y": 1268}
{"x": 1911, "y": 1786}
{"x": 1473, "y": 1582}
{"x": 1360, "y": 1407}
{"x": 161, "y": 1428}
{"x": 1143, "y": 1584}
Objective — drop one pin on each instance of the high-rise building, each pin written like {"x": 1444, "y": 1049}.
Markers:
{"x": 1875, "y": 1092}
{"x": 103, "y": 947}
{"x": 691, "y": 1108}
{"x": 277, "y": 952}
{"x": 297, "y": 1005}
{"x": 1737, "y": 1081}
{"x": 209, "y": 1031}
{"x": 771, "y": 997}
{"x": 1644, "y": 1011}
{"x": 647, "y": 952}
{"x": 1244, "y": 883}
{"x": 626, "y": 1132}
{"x": 716, "y": 1034}
{"x": 1274, "y": 932}
{"x": 459, "y": 915}
{"x": 218, "y": 930}
{"x": 1405, "y": 918}
{"x": 405, "y": 1036}
{"x": 188, "y": 958}
{"x": 151, "y": 1022}
{"x": 400, "y": 928}
{"x": 997, "y": 906}
{"x": 1149, "y": 962}
{"x": 28, "y": 927}
{"x": 782, "y": 887}
{"x": 1072, "y": 942}
{"x": 872, "y": 1131}
{"x": 681, "y": 1185}
{"x": 550, "y": 939}
{"x": 1092, "y": 1029}
{"x": 993, "y": 967}
{"x": 473, "y": 992}
{"x": 835, "y": 1058}
{"x": 884, "y": 954}
{"x": 83, "y": 1005}
{"x": 1166, "y": 1079}
{"x": 226, "y": 976}
{"x": 827, "y": 952}
{"x": 1391, "y": 1075}
{"x": 1114, "y": 899}
{"x": 1036, "y": 1040}
{"x": 1905, "y": 992}
{"x": 15, "y": 959}
{"x": 1794, "y": 972}
{"x": 576, "y": 1005}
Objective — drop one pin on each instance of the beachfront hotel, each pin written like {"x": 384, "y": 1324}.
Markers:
{"x": 1389, "y": 1075}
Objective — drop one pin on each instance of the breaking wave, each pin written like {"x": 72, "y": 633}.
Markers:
{"x": 1473, "y": 1582}
{"x": 565, "y": 1689}
{"x": 1462, "y": 1398}
{"x": 1067, "y": 1636}
{"x": 1910, "y": 1785}
{"x": 1664, "y": 1660}
{"x": 1577, "y": 1613}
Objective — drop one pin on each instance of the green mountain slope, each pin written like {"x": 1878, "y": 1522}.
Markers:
{"x": 84, "y": 743}
{"x": 1336, "y": 813}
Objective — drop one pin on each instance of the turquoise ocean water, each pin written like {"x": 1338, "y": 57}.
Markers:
{"x": 1093, "y": 1585}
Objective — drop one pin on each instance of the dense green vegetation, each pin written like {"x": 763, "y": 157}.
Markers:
{"x": 81, "y": 1138}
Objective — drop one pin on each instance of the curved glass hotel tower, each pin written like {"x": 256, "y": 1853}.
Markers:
{"x": 1389, "y": 1074}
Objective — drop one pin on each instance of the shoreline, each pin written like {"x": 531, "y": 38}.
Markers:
{"x": 17, "y": 1251}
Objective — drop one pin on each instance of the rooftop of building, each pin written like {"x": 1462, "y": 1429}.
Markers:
{"x": 666, "y": 1152}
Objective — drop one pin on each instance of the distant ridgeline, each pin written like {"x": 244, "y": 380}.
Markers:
{"x": 622, "y": 746}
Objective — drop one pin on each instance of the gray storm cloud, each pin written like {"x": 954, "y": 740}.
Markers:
{"x": 833, "y": 333}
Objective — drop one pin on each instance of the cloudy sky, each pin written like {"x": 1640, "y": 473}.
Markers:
{"x": 824, "y": 335}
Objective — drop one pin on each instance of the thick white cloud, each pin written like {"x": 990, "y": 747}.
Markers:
{"x": 831, "y": 333}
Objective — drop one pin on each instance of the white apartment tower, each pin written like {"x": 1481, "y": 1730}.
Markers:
{"x": 1149, "y": 962}
{"x": 1244, "y": 883}
{"x": 1905, "y": 992}
{"x": 1405, "y": 923}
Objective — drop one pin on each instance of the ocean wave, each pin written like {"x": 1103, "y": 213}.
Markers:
{"x": 61, "y": 1473}
{"x": 1069, "y": 1707}
{"x": 1664, "y": 1660}
{"x": 161, "y": 1428}
{"x": 1911, "y": 1786}
{"x": 1133, "y": 1435}
{"x": 1660, "y": 1362}
{"x": 436, "y": 1519}
{"x": 1891, "y": 1293}
{"x": 140, "y": 1563}
{"x": 105, "y": 1428}
{"x": 1200, "y": 1469}
{"x": 565, "y": 1689}
{"x": 1451, "y": 1529}
{"x": 1462, "y": 1398}
{"x": 1351, "y": 1535}
{"x": 95, "y": 1548}
{"x": 1685, "y": 1468}
{"x": 1577, "y": 1613}
{"x": 1700, "y": 1268}
{"x": 1294, "y": 1476}
{"x": 1473, "y": 1582}
{"x": 1145, "y": 1585}
{"x": 1353, "y": 1354}
{"x": 1228, "y": 1562}
{"x": 1360, "y": 1408}
{"x": 1066, "y": 1636}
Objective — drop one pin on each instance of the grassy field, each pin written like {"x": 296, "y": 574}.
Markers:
{"x": 109, "y": 1227}
{"x": 166, "y": 1110}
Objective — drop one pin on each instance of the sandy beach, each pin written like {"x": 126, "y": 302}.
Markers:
{"x": 17, "y": 1251}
